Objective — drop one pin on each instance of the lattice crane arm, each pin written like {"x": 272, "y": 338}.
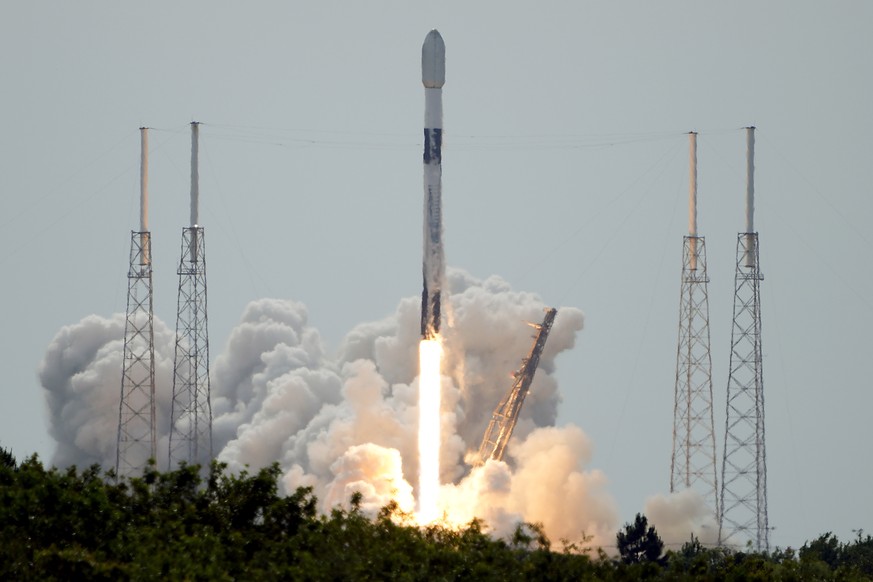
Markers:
{"x": 505, "y": 416}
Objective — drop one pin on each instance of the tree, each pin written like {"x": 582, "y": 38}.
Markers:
{"x": 858, "y": 556}
{"x": 640, "y": 543}
{"x": 825, "y": 548}
{"x": 6, "y": 458}
{"x": 86, "y": 524}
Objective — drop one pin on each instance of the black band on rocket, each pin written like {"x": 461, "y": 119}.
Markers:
{"x": 433, "y": 145}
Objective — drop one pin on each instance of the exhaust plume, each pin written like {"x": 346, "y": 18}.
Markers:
{"x": 81, "y": 376}
{"x": 677, "y": 516}
{"x": 350, "y": 422}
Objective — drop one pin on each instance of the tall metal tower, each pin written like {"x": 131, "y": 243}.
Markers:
{"x": 693, "y": 462}
{"x": 505, "y": 416}
{"x": 191, "y": 412}
{"x": 136, "y": 412}
{"x": 743, "y": 509}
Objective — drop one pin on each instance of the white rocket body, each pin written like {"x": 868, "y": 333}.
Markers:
{"x": 433, "y": 76}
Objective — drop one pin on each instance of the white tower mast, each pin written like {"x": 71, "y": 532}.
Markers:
{"x": 136, "y": 415}
{"x": 693, "y": 464}
{"x": 191, "y": 413}
{"x": 743, "y": 501}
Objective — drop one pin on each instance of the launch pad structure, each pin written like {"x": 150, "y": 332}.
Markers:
{"x": 743, "y": 500}
{"x": 191, "y": 412}
{"x": 693, "y": 461}
{"x": 136, "y": 442}
{"x": 506, "y": 414}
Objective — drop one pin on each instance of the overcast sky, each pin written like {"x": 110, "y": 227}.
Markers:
{"x": 565, "y": 171}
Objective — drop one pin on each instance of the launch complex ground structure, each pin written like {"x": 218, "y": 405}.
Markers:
{"x": 136, "y": 442}
{"x": 693, "y": 462}
{"x": 506, "y": 414}
{"x": 191, "y": 413}
{"x": 743, "y": 500}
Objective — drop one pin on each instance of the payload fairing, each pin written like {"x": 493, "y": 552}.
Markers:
{"x": 433, "y": 76}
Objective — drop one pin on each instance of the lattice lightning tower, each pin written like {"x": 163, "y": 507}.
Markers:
{"x": 693, "y": 462}
{"x": 136, "y": 413}
{"x": 743, "y": 509}
{"x": 191, "y": 428}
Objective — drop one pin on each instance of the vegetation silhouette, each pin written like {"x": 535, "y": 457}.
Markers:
{"x": 193, "y": 524}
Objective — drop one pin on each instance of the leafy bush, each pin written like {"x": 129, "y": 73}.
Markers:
{"x": 187, "y": 525}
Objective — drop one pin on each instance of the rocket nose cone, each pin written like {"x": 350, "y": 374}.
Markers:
{"x": 433, "y": 60}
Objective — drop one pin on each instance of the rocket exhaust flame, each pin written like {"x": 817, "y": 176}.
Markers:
{"x": 430, "y": 354}
{"x": 342, "y": 424}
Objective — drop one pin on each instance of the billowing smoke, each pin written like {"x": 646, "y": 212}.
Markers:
{"x": 548, "y": 484}
{"x": 272, "y": 377}
{"x": 349, "y": 423}
{"x": 81, "y": 375}
{"x": 677, "y": 516}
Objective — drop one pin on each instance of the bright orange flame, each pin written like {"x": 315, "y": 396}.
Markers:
{"x": 430, "y": 353}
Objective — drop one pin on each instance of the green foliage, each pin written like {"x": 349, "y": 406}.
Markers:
{"x": 6, "y": 458}
{"x": 86, "y": 525}
{"x": 825, "y": 548}
{"x": 847, "y": 561}
{"x": 189, "y": 524}
{"x": 639, "y": 543}
{"x": 695, "y": 561}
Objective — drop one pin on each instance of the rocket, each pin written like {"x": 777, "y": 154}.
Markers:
{"x": 433, "y": 76}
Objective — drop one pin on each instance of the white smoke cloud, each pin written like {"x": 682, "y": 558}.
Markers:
{"x": 373, "y": 471}
{"x": 549, "y": 485}
{"x": 487, "y": 341}
{"x": 81, "y": 377}
{"x": 369, "y": 412}
{"x": 679, "y": 515}
{"x": 270, "y": 346}
{"x": 349, "y": 423}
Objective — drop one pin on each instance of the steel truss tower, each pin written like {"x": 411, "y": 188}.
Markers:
{"x": 693, "y": 464}
{"x": 505, "y": 416}
{"x": 191, "y": 413}
{"x": 743, "y": 509}
{"x": 136, "y": 413}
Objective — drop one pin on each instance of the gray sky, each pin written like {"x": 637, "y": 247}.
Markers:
{"x": 565, "y": 171}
